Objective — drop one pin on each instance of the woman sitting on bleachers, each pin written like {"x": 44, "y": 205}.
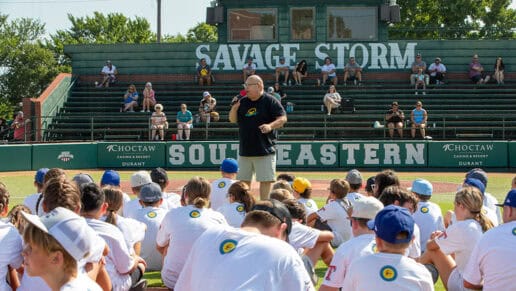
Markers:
{"x": 130, "y": 99}
{"x": 332, "y": 99}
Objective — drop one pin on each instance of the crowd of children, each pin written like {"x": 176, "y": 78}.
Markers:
{"x": 74, "y": 234}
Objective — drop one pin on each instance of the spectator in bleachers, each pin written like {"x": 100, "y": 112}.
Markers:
{"x": 499, "y": 69}
{"x": 395, "y": 118}
{"x": 282, "y": 71}
{"x": 329, "y": 72}
{"x": 279, "y": 91}
{"x": 149, "y": 100}
{"x": 204, "y": 73}
{"x": 300, "y": 72}
{"x": 249, "y": 68}
{"x": 420, "y": 81}
{"x": 158, "y": 122}
{"x": 207, "y": 111}
{"x": 270, "y": 90}
{"x": 4, "y": 128}
{"x": 331, "y": 99}
{"x": 108, "y": 73}
{"x": 184, "y": 121}
{"x": 418, "y": 118}
{"x": 130, "y": 99}
{"x": 476, "y": 72}
{"x": 352, "y": 72}
{"x": 416, "y": 65}
{"x": 18, "y": 126}
{"x": 437, "y": 72}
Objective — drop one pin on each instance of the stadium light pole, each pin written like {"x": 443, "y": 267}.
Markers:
{"x": 159, "y": 21}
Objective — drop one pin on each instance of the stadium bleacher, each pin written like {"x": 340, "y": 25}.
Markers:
{"x": 458, "y": 109}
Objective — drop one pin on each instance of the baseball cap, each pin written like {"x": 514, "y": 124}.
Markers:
{"x": 40, "y": 175}
{"x": 510, "y": 199}
{"x": 422, "y": 187}
{"x": 282, "y": 58}
{"x": 82, "y": 179}
{"x": 205, "y": 93}
{"x": 366, "y": 207}
{"x": 140, "y": 178}
{"x": 438, "y": 59}
{"x": 369, "y": 183}
{"x": 159, "y": 175}
{"x": 391, "y": 221}
{"x": 68, "y": 228}
{"x": 270, "y": 90}
{"x": 108, "y": 62}
{"x": 301, "y": 184}
{"x": 475, "y": 183}
{"x": 151, "y": 193}
{"x": 479, "y": 174}
{"x": 395, "y": 103}
{"x": 229, "y": 166}
{"x": 354, "y": 177}
{"x": 279, "y": 210}
{"x": 418, "y": 54}
{"x": 110, "y": 177}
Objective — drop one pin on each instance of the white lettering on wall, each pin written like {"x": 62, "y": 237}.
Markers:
{"x": 415, "y": 155}
{"x": 392, "y": 154}
{"x": 177, "y": 154}
{"x": 283, "y": 154}
{"x": 329, "y": 154}
{"x": 351, "y": 148}
{"x": 305, "y": 155}
{"x": 370, "y": 154}
{"x": 196, "y": 154}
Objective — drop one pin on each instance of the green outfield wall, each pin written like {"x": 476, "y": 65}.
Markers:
{"x": 327, "y": 155}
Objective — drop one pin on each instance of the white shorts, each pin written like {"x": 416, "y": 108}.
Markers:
{"x": 455, "y": 281}
{"x": 264, "y": 167}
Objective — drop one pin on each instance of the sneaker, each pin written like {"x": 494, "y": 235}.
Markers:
{"x": 416, "y": 93}
{"x": 148, "y": 110}
{"x": 142, "y": 110}
{"x": 424, "y": 93}
{"x": 284, "y": 84}
{"x": 328, "y": 114}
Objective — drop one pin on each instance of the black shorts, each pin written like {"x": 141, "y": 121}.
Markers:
{"x": 476, "y": 78}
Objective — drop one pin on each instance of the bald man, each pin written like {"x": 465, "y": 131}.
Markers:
{"x": 258, "y": 115}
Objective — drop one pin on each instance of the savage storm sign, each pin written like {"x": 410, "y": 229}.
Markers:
{"x": 372, "y": 56}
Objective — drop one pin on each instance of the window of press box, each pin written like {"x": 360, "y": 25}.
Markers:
{"x": 352, "y": 23}
{"x": 302, "y": 23}
{"x": 253, "y": 24}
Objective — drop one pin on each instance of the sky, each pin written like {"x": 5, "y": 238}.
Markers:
{"x": 177, "y": 16}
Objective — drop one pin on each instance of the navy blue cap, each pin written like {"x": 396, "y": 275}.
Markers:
{"x": 151, "y": 193}
{"x": 391, "y": 221}
{"x": 40, "y": 175}
{"x": 479, "y": 174}
{"x": 510, "y": 199}
{"x": 472, "y": 182}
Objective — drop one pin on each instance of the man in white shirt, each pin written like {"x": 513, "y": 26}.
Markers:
{"x": 491, "y": 264}
{"x": 329, "y": 72}
{"x": 282, "y": 71}
{"x": 219, "y": 187}
{"x": 389, "y": 269}
{"x": 238, "y": 252}
{"x": 362, "y": 244}
{"x": 437, "y": 72}
{"x": 170, "y": 199}
{"x": 249, "y": 68}
{"x": 354, "y": 178}
{"x": 108, "y": 73}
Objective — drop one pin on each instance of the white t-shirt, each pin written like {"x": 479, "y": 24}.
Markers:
{"x": 347, "y": 253}
{"x": 179, "y": 229}
{"x": 309, "y": 204}
{"x": 249, "y": 67}
{"x": 133, "y": 230}
{"x": 234, "y": 259}
{"x": 81, "y": 283}
{"x": 107, "y": 70}
{"x": 219, "y": 192}
{"x": 302, "y": 237}
{"x": 172, "y": 200}
{"x": 327, "y": 68}
{"x": 488, "y": 212}
{"x": 490, "y": 202}
{"x": 440, "y": 68}
{"x": 354, "y": 196}
{"x": 10, "y": 251}
{"x": 337, "y": 218}
{"x": 151, "y": 217}
{"x": 492, "y": 259}
{"x": 118, "y": 261}
{"x": 429, "y": 218}
{"x": 414, "y": 249}
{"x": 385, "y": 271}
{"x": 234, "y": 213}
{"x": 459, "y": 239}
{"x": 31, "y": 201}
{"x": 132, "y": 206}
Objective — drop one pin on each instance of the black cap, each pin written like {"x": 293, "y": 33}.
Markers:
{"x": 279, "y": 210}
{"x": 159, "y": 175}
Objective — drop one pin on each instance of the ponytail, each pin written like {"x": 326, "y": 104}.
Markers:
{"x": 197, "y": 192}
{"x": 200, "y": 202}
{"x": 484, "y": 221}
{"x": 4, "y": 197}
{"x": 240, "y": 193}
{"x": 114, "y": 199}
{"x": 111, "y": 217}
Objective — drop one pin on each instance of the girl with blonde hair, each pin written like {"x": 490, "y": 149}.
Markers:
{"x": 149, "y": 99}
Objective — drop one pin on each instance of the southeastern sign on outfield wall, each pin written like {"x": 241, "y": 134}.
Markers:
{"x": 209, "y": 155}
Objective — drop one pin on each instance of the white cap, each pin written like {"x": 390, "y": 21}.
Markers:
{"x": 366, "y": 207}
{"x": 140, "y": 178}
{"x": 68, "y": 228}
{"x": 205, "y": 93}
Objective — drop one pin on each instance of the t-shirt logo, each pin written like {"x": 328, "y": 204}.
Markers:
{"x": 251, "y": 112}
{"x": 152, "y": 214}
{"x": 309, "y": 204}
{"x": 204, "y": 72}
{"x": 240, "y": 208}
{"x": 424, "y": 209}
{"x": 195, "y": 214}
{"x": 227, "y": 246}
{"x": 221, "y": 185}
{"x": 514, "y": 231}
{"x": 388, "y": 273}
{"x": 374, "y": 248}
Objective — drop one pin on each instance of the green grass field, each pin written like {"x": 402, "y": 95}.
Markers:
{"x": 20, "y": 184}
